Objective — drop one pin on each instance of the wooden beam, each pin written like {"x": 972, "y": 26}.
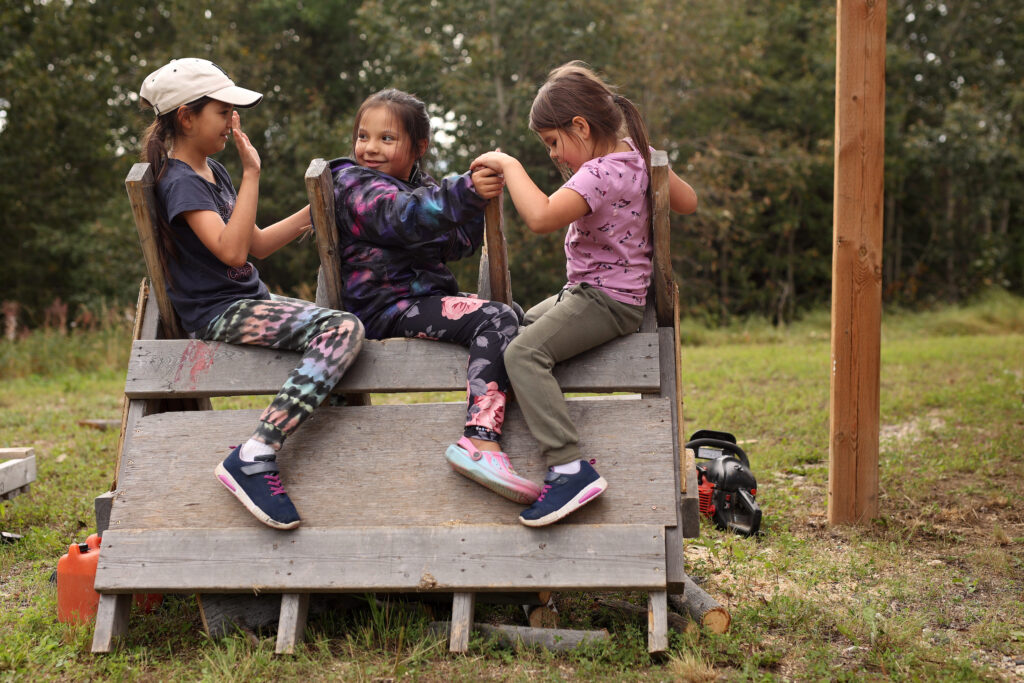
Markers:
{"x": 185, "y": 367}
{"x": 111, "y": 621}
{"x": 17, "y": 471}
{"x": 462, "y": 621}
{"x": 457, "y": 558}
{"x": 291, "y": 627}
{"x": 857, "y": 260}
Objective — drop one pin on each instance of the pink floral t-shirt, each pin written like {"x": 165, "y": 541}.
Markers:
{"x": 610, "y": 247}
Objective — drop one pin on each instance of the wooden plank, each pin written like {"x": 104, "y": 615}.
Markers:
{"x": 138, "y": 330}
{"x": 320, "y": 189}
{"x": 857, "y": 261}
{"x": 111, "y": 621}
{"x": 657, "y": 621}
{"x": 691, "y": 499}
{"x": 291, "y": 627}
{"x": 457, "y": 557}
{"x": 186, "y": 368}
{"x": 497, "y": 252}
{"x": 462, "y": 621}
{"x": 662, "y": 277}
{"x": 17, "y": 471}
{"x": 669, "y": 388}
{"x": 344, "y": 457}
{"x": 139, "y": 185}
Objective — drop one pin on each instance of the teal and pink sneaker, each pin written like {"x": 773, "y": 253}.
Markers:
{"x": 491, "y": 469}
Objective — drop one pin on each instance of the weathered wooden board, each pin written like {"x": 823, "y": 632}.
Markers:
{"x": 384, "y": 466}
{"x": 17, "y": 471}
{"x": 477, "y": 557}
{"x": 197, "y": 368}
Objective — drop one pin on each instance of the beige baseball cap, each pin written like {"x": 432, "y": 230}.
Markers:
{"x": 185, "y": 80}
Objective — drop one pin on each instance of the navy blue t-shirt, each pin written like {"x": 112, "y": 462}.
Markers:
{"x": 202, "y": 286}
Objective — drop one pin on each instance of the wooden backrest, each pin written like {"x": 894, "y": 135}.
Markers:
{"x": 494, "y": 282}
{"x": 140, "y": 186}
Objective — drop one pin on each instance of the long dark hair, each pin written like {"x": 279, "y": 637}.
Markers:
{"x": 572, "y": 90}
{"x": 157, "y": 141}
{"x": 410, "y": 112}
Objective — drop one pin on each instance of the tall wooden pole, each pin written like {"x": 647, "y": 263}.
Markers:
{"x": 857, "y": 260}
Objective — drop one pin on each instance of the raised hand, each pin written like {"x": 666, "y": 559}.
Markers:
{"x": 248, "y": 155}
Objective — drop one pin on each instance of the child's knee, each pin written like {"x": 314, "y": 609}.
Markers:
{"x": 522, "y": 359}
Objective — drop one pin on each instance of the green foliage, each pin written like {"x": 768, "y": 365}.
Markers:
{"x": 739, "y": 94}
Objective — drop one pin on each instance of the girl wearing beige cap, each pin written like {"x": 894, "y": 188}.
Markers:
{"x": 206, "y": 233}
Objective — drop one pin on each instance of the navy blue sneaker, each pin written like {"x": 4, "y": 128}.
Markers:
{"x": 259, "y": 488}
{"x": 563, "y": 494}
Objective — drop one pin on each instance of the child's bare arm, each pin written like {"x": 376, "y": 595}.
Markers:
{"x": 681, "y": 196}
{"x": 541, "y": 213}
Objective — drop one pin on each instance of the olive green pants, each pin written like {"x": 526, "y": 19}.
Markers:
{"x": 558, "y": 328}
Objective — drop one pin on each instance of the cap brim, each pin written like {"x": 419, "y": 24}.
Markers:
{"x": 240, "y": 97}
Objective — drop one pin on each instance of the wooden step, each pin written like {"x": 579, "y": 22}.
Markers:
{"x": 477, "y": 557}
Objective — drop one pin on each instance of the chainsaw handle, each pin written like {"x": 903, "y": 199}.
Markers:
{"x": 719, "y": 443}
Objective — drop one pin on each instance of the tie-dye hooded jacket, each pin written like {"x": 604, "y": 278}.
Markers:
{"x": 394, "y": 238}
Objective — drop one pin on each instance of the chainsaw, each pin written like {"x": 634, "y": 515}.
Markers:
{"x": 725, "y": 484}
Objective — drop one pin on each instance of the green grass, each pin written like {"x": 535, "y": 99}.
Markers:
{"x": 931, "y": 589}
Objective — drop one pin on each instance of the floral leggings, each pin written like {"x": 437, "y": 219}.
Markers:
{"x": 329, "y": 341}
{"x": 486, "y": 328}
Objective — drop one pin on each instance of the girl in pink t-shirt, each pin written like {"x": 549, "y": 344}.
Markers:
{"x": 598, "y": 137}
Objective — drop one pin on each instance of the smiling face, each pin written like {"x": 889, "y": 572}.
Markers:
{"x": 383, "y": 144}
{"x": 208, "y": 130}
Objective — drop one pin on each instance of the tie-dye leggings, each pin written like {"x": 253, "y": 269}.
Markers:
{"x": 329, "y": 341}
{"x": 486, "y": 328}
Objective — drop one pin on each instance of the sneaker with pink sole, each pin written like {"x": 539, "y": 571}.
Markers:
{"x": 491, "y": 469}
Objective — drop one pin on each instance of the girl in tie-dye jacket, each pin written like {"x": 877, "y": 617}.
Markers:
{"x": 397, "y": 228}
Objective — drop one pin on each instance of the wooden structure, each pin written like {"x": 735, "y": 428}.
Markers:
{"x": 857, "y": 261}
{"x": 17, "y": 471}
{"x": 369, "y": 526}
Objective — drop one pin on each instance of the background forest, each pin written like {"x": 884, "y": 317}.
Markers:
{"x": 740, "y": 93}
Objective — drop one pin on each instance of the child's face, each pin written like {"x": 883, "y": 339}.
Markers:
{"x": 382, "y": 144}
{"x": 209, "y": 129}
{"x": 565, "y": 148}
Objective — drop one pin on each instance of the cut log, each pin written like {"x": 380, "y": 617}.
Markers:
{"x": 555, "y": 639}
{"x": 679, "y": 623}
{"x": 701, "y": 607}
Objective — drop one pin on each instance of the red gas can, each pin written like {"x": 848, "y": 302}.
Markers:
{"x": 77, "y": 601}
{"x": 76, "y": 573}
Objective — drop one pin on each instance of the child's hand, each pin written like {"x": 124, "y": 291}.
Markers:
{"x": 495, "y": 161}
{"x": 246, "y": 152}
{"x": 487, "y": 182}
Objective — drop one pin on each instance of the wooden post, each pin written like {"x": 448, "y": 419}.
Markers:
{"x": 497, "y": 253}
{"x": 139, "y": 185}
{"x": 664, "y": 280}
{"x": 320, "y": 190}
{"x": 857, "y": 260}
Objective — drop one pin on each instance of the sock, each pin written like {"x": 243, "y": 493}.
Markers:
{"x": 568, "y": 468}
{"x": 252, "y": 448}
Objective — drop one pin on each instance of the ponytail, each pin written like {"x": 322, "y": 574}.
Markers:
{"x": 154, "y": 151}
{"x": 156, "y": 140}
{"x": 637, "y": 130}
